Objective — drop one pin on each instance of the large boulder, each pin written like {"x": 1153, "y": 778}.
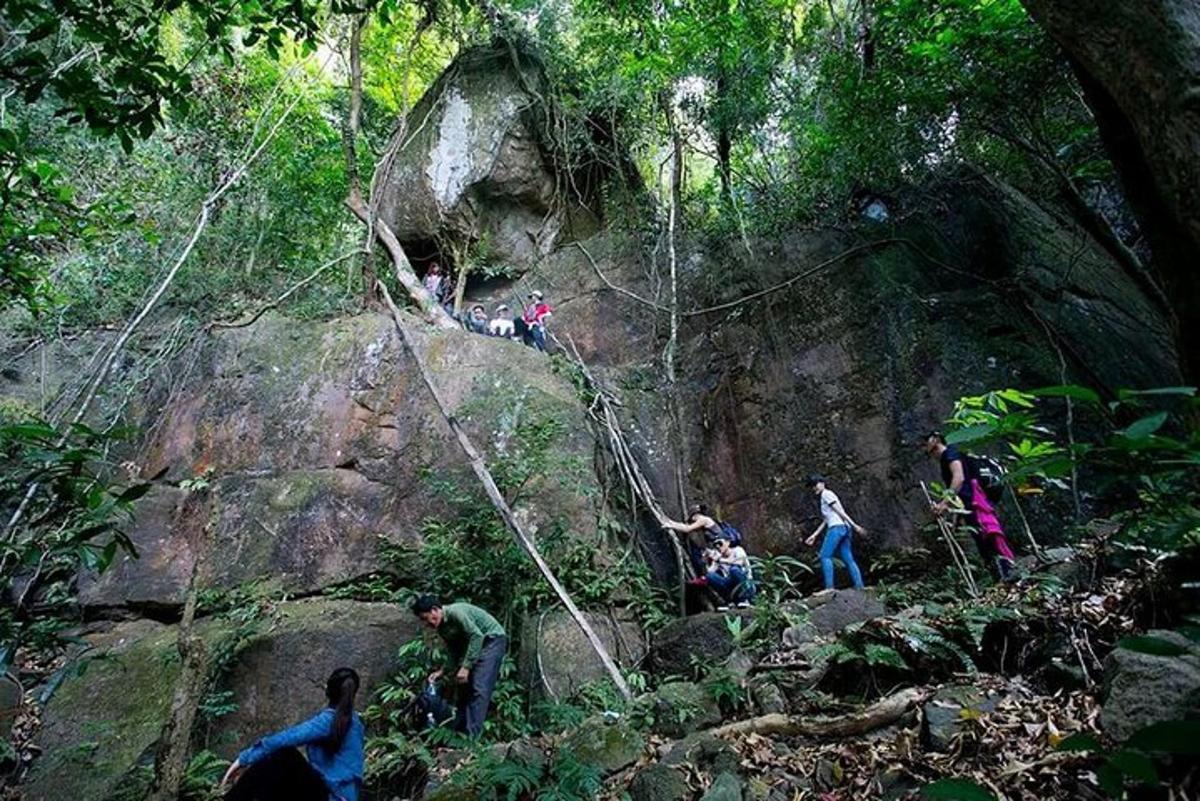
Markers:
{"x": 278, "y": 676}
{"x": 1144, "y": 688}
{"x": 556, "y": 659}
{"x": 297, "y": 447}
{"x": 474, "y": 169}
{"x": 706, "y": 639}
{"x": 102, "y": 725}
{"x": 605, "y": 743}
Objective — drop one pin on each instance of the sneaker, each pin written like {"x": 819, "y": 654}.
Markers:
{"x": 723, "y": 608}
{"x": 743, "y": 604}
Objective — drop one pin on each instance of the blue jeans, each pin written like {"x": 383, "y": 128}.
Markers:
{"x": 837, "y": 539}
{"x": 734, "y": 586}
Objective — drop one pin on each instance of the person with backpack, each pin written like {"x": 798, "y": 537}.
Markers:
{"x": 729, "y": 573}
{"x": 703, "y": 531}
{"x": 837, "y": 525}
{"x": 977, "y": 482}
{"x": 272, "y": 769}
{"x": 475, "y": 645}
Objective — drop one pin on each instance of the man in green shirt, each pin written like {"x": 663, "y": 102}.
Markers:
{"x": 475, "y": 642}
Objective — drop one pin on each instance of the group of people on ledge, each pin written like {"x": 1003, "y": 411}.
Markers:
{"x": 528, "y": 327}
{"x": 273, "y": 769}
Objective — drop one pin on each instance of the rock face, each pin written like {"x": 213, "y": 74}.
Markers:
{"x": 1141, "y": 689}
{"x": 842, "y": 372}
{"x": 556, "y": 660}
{"x": 474, "y": 170}
{"x": 315, "y": 441}
{"x": 99, "y": 727}
{"x": 704, "y": 638}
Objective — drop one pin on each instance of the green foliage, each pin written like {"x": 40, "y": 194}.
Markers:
{"x": 202, "y": 776}
{"x": 71, "y": 519}
{"x": 1143, "y": 757}
{"x": 1145, "y": 457}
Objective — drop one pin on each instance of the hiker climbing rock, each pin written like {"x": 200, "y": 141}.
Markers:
{"x": 837, "y": 525}
{"x": 703, "y": 531}
{"x": 962, "y": 478}
{"x": 272, "y": 769}
{"x": 475, "y": 644}
{"x": 537, "y": 313}
{"x": 729, "y": 572}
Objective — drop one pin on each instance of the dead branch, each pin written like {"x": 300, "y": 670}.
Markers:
{"x": 431, "y": 310}
{"x": 956, "y": 552}
{"x": 171, "y": 760}
{"x": 881, "y": 713}
{"x": 480, "y": 468}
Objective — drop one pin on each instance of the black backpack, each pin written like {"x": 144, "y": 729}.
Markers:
{"x": 990, "y": 475}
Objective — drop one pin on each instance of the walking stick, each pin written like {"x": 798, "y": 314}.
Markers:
{"x": 956, "y": 552}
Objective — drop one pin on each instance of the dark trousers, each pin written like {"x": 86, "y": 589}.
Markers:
{"x": 481, "y": 683}
{"x": 283, "y": 776}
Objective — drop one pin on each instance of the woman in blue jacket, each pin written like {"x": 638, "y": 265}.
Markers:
{"x": 273, "y": 770}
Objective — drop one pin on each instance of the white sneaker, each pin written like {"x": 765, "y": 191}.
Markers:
{"x": 724, "y": 608}
{"x": 743, "y": 605}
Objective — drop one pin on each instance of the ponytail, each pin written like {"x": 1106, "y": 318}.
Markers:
{"x": 340, "y": 690}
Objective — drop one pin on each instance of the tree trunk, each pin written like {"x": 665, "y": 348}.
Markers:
{"x": 881, "y": 713}
{"x": 350, "y": 145}
{"x": 1138, "y": 62}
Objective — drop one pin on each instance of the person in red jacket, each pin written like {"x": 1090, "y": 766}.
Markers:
{"x": 535, "y": 317}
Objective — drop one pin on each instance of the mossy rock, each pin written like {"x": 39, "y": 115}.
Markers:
{"x": 106, "y": 720}
{"x": 610, "y": 746}
{"x": 659, "y": 783}
{"x": 683, "y": 707}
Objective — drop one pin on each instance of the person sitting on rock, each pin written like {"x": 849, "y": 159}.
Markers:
{"x": 475, "y": 645}
{"x": 536, "y": 315}
{"x": 837, "y": 524}
{"x": 702, "y": 531}
{"x": 957, "y": 477}
{"x": 272, "y": 769}
{"x": 729, "y": 573}
{"x": 477, "y": 321}
{"x": 502, "y": 324}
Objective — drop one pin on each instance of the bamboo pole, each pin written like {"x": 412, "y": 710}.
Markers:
{"x": 956, "y": 552}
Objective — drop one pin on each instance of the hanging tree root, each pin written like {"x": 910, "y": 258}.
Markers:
{"x": 603, "y": 412}
{"x": 879, "y": 714}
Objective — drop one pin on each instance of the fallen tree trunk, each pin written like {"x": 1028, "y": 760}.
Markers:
{"x": 879, "y": 714}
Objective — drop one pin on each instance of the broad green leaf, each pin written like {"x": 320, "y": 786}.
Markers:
{"x": 1081, "y": 742}
{"x": 1135, "y": 765}
{"x": 1171, "y": 737}
{"x": 1072, "y": 391}
{"x": 956, "y": 790}
{"x": 971, "y": 433}
{"x": 1145, "y": 427}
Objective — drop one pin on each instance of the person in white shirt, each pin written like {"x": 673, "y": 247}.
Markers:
{"x": 837, "y": 524}
{"x": 502, "y": 324}
{"x": 729, "y": 572}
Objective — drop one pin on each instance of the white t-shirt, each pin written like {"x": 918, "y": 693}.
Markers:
{"x": 501, "y": 327}
{"x": 832, "y": 518}
{"x": 737, "y": 557}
